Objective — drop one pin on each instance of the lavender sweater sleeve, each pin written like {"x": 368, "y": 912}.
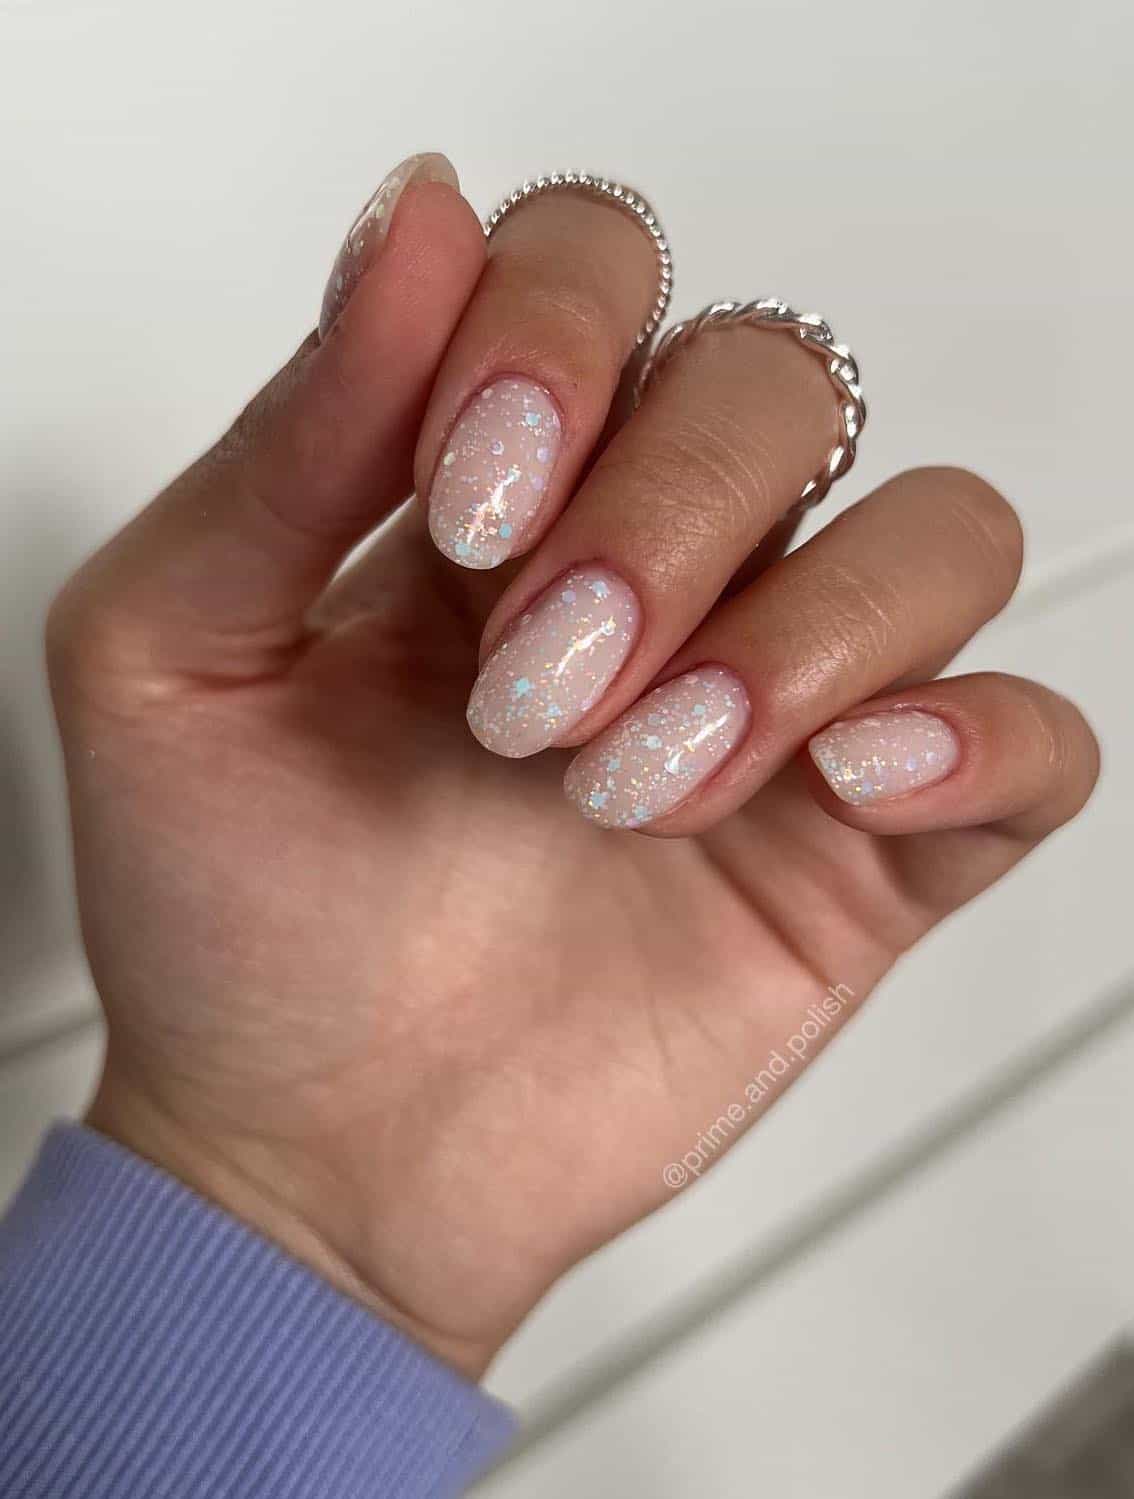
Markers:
{"x": 150, "y": 1345}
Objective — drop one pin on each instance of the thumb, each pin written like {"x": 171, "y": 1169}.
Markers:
{"x": 217, "y": 574}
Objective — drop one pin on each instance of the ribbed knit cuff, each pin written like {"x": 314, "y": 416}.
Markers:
{"x": 152, "y": 1347}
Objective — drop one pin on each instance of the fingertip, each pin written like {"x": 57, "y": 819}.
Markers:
{"x": 340, "y": 449}
{"x": 425, "y": 273}
{"x": 365, "y": 243}
{"x": 437, "y": 231}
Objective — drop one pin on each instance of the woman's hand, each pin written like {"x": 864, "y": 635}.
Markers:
{"x": 388, "y": 996}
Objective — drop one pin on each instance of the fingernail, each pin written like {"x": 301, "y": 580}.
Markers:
{"x": 367, "y": 234}
{"x": 661, "y": 750}
{"x": 884, "y": 755}
{"x": 554, "y": 663}
{"x": 493, "y": 472}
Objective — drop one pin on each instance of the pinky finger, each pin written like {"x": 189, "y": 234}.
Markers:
{"x": 964, "y": 752}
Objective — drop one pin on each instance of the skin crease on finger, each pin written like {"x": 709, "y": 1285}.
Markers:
{"x": 382, "y": 995}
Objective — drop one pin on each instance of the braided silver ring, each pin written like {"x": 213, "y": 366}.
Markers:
{"x": 613, "y": 192}
{"x": 815, "y": 335}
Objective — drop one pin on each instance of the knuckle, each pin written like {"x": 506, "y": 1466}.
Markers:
{"x": 837, "y": 634}
{"x": 582, "y": 333}
{"x": 1060, "y": 785}
{"x": 848, "y": 622}
{"x": 705, "y": 486}
{"x": 862, "y": 612}
{"x": 988, "y": 521}
{"x": 1060, "y": 744}
{"x": 1069, "y": 750}
{"x": 564, "y": 325}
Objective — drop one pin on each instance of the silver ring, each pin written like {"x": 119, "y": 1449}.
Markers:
{"x": 616, "y": 193}
{"x": 815, "y": 335}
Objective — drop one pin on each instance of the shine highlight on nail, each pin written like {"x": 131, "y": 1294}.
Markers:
{"x": 494, "y": 472}
{"x": 885, "y": 755}
{"x": 554, "y": 662}
{"x": 654, "y": 756}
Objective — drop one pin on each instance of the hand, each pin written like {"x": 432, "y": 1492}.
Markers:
{"x": 388, "y": 996}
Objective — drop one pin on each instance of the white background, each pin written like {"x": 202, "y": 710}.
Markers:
{"x": 950, "y": 186}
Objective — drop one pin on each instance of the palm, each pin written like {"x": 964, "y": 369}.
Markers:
{"x": 422, "y": 932}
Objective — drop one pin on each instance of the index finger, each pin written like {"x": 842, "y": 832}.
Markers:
{"x": 525, "y": 387}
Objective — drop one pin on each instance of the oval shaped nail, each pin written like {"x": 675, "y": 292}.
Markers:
{"x": 493, "y": 472}
{"x": 554, "y": 662}
{"x": 883, "y": 755}
{"x": 657, "y": 754}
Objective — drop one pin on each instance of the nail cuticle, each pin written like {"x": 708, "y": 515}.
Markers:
{"x": 878, "y": 757}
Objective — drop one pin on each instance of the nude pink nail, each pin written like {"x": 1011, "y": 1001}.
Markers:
{"x": 555, "y": 662}
{"x": 658, "y": 753}
{"x": 884, "y": 755}
{"x": 367, "y": 234}
{"x": 494, "y": 472}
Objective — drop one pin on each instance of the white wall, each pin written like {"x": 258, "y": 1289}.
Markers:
{"x": 950, "y": 185}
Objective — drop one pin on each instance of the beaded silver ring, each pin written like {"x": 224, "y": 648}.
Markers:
{"x": 613, "y": 192}
{"x": 816, "y": 336}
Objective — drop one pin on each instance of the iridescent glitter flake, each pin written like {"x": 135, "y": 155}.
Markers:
{"x": 884, "y": 755}
{"x": 661, "y": 750}
{"x": 367, "y": 234}
{"x": 554, "y": 662}
{"x": 494, "y": 471}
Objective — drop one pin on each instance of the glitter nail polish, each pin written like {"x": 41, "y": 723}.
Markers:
{"x": 554, "y": 663}
{"x": 884, "y": 755}
{"x": 367, "y": 234}
{"x": 494, "y": 472}
{"x": 653, "y": 757}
